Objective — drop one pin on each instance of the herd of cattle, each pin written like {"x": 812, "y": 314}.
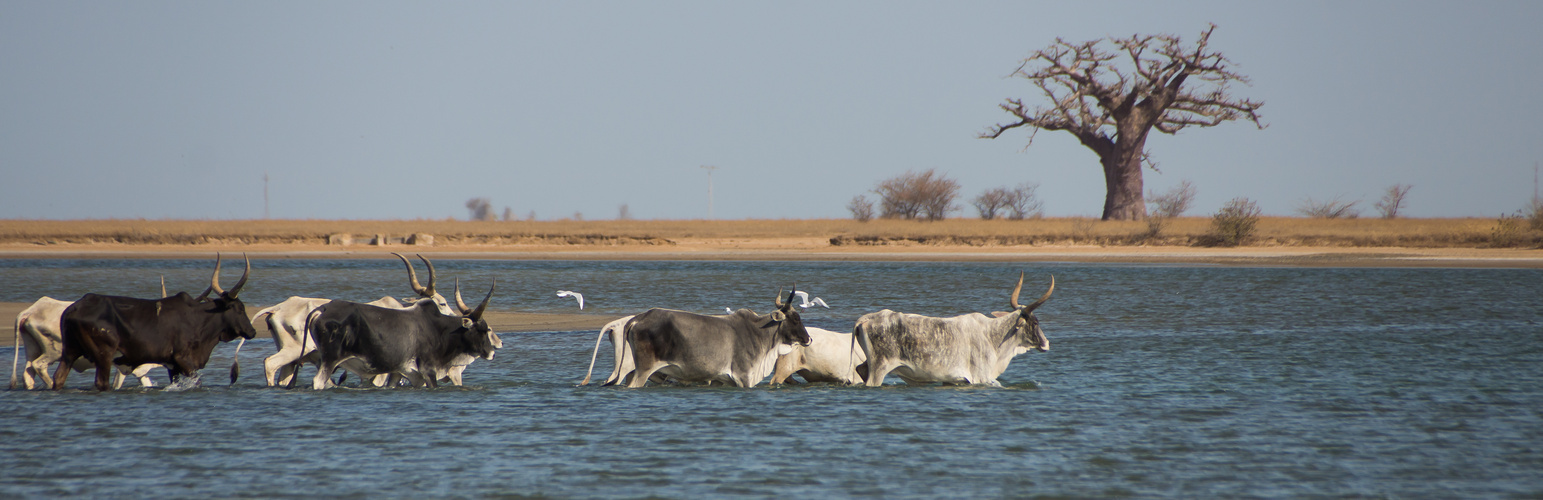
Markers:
{"x": 424, "y": 341}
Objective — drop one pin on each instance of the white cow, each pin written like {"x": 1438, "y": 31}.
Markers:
{"x": 38, "y": 328}
{"x": 286, "y": 322}
{"x": 829, "y": 357}
{"x": 966, "y": 349}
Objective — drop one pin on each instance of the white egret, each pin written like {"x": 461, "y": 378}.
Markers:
{"x": 575, "y": 295}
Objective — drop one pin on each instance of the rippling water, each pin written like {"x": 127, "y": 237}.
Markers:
{"x": 1161, "y": 381}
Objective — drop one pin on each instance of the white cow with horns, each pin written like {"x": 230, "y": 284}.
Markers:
{"x": 967, "y": 349}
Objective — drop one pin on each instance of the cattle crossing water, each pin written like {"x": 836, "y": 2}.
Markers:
{"x": 1163, "y": 381}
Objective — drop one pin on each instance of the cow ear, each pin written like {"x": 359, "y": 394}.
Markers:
{"x": 779, "y": 316}
{"x": 467, "y": 323}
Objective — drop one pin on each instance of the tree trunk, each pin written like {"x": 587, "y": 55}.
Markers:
{"x": 1122, "y": 179}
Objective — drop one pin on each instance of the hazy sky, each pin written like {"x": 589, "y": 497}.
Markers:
{"x": 387, "y": 110}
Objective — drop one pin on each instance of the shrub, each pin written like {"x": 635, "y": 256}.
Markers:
{"x": 1393, "y": 201}
{"x": 991, "y": 202}
{"x": 1234, "y": 223}
{"x": 1172, "y": 203}
{"x": 480, "y": 208}
{"x": 913, "y": 195}
{"x": 861, "y": 208}
{"x": 1507, "y": 231}
{"x": 1331, "y": 209}
{"x": 1023, "y": 203}
{"x": 1533, "y": 212}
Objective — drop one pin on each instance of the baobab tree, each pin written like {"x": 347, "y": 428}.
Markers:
{"x": 1111, "y": 98}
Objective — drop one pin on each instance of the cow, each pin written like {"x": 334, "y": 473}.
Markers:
{"x": 738, "y": 349}
{"x": 178, "y": 331}
{"x": 967, "y": 349}
{"x": 417, "y": 342}
{"x": 829, "y": 357}
{"x": 286, "y": 321}
{"x": 37, "y": 327}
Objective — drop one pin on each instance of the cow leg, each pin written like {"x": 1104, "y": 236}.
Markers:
{"x": 323, "y": 378}
{"x": 142, "y": 372}
{"x": 276, "y": 369}
{"x": 119, "y": 375}
{"x": 61, "y": 374}
{"x": 641, "y": 375}
{"x": 877, "y": 371}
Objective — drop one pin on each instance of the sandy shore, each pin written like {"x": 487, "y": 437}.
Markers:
{"x": 819, "y": 249}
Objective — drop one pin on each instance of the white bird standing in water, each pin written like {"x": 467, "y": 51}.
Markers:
{"x": 804, "y": 296}
{"x": 576, "y": 295}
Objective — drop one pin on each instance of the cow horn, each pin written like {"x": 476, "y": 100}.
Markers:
{"x": 429, "y": 292}
{"x": 1043, "y": 298}
{"x": 477, "y": 314}
{"x": 778, "y": 299}
{"x": 1013, "y": 302}
{"x": 236, "y": 290}
{"x": 412, "y": 276}
{"x": 214, "y": 281}
{"x": 791, "y": 293}
{"x": 460, "y": 304}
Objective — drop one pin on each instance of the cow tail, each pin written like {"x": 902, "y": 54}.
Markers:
{"x": 304, "y": 337}
{"x": 587, "y": 374}
{"x": 16, "y": 355}
{"x": 235, "y": 364}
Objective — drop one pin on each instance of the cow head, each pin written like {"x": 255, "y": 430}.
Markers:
{"x": 790, "y": 327}
{"x": 1033, "y": 337}
{"x": 232, "y": 312}
{"x": 424, "y": 292}
{"x": 477, "y": 331}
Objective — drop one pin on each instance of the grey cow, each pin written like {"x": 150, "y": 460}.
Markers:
{"x": 967, "y": 349}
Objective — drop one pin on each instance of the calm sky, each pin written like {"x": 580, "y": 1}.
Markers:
{"x": 404, "y": 110}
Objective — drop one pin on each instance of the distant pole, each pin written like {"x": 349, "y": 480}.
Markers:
{"x": 265, "y": 195}
{"x": 709, "y": 169}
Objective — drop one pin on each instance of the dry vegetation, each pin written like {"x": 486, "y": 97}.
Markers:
{"x": 1184, "y": 231}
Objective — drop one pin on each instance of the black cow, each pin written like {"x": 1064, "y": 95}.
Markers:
{"x": 739, "y": 349}
{"x": 178, "y": 331}
{"x": 419, "y": 341}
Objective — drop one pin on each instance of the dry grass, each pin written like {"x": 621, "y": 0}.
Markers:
{"x": 1186, "y": 231}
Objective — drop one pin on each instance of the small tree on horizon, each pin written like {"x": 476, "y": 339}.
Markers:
{"x": 480, "y": 209}
{"x": 990, "y": 202}
{"x": 1023, "y": 202}
{"x": 913, "y": 195}
{"x": 1393, "y": 201}
{"x": 861, "y": 208}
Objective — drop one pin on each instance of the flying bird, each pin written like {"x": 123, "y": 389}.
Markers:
{"x": 575, "y": 295}
{"x": 804, "y": 296}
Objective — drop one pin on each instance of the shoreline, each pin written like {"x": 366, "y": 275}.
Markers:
{"x": 802, "y": 250}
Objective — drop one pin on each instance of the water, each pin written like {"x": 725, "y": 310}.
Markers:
{"x": 1162, "y": 381}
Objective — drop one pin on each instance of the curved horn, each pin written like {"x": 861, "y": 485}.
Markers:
{"x": 460, "y": 304}
{"x": 429, "y": 290}
{"x": 1013, "y": 302}
{"x": 214, "y": 282}
{"x": 477, "y": 314}
{"x": 236, "y": 290}
{"x": 412, "y": 276}
{"x": 1043, "y": 298}
{"x": 778, "y": 299}
{"x": 791, "y": 293}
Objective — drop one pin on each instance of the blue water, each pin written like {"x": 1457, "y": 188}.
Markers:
{"x": 1161, "y": 381}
